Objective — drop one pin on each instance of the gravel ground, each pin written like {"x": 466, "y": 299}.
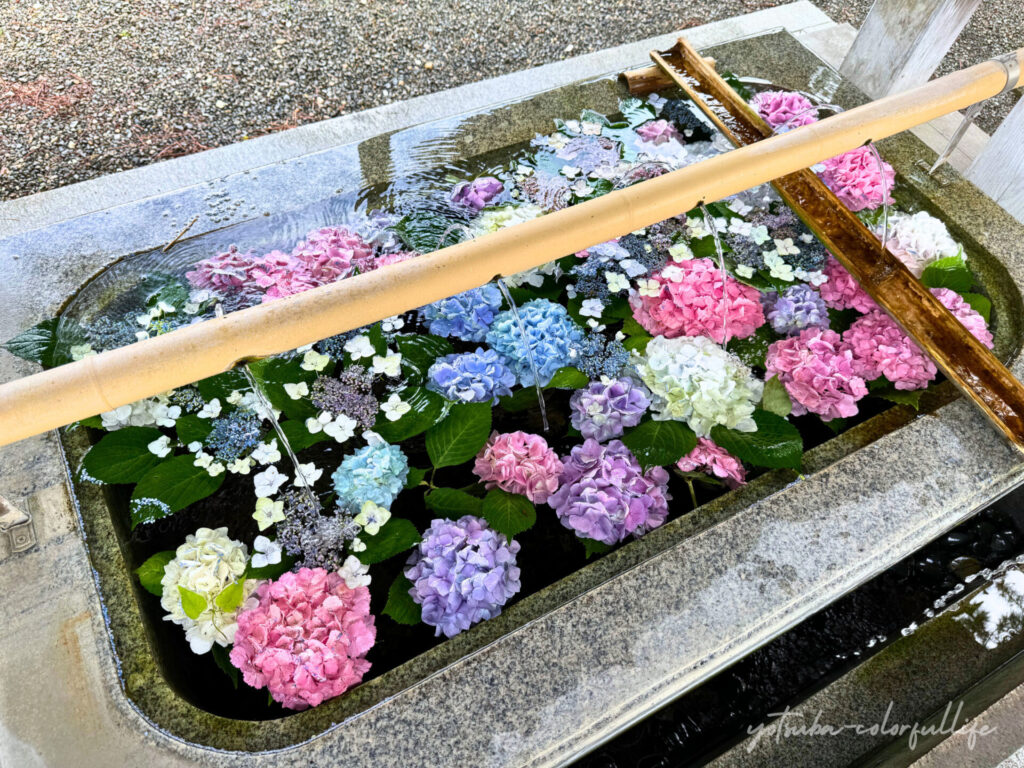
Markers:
{"x": 89, "y": 87}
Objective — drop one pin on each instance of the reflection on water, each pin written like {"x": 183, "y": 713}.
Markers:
{"x": 996, "y": 614}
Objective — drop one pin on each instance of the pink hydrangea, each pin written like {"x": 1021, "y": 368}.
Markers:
{"x": 819, "y": 373}
{"x": 780, "y": 109}
{"x": 387, "y": 259}
{"x": 965, "y": 313}
{"x": 333, "y": 253}
{"x": 842, "y": 291}
{"x": 278, "y": 275}
{"x": 657, "y": 132}
{"x": 304, "y": 637}
{"x": 226, "y": 273}
{"x": 688, "y": 301}
{"x": 857, "y": 180}
{"x": 881, "y": 348}
{"x": 713, "y": 460}
{"x": 519, "y": 462}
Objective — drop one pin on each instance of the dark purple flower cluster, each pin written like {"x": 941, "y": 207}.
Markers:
{"x": 351, "y": 394}
{"x": 680, "y": 114}
{"x": 188, "y": 399}
{"x": 462, "y": 572}
{"x": 318, "y": 540}
{"x": 606, "y": 495}
{"x": 234, "y": 435}
{"x": 599, "y": 356}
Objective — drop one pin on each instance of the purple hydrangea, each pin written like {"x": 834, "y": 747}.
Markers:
{"x": 471, "y": 377}
{"x": 799, "y": 307}
{"x": 606, "y": 495}
{"x": 605, "y": 408}
{"x": 478, "y": 192}
{"x": 462, "y": 572}
{"x": 466, "y": 316}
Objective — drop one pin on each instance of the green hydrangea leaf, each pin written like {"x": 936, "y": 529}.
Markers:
{"x": 449, "y": 502}
{"x": 660, "y": 443}
{"x": 419, "y": 352}
{"x": 271, "y": 571}
{"x": 508, "y": 513}
{"x": 299, "y": 437}
{"x": 272, "y": 373}
{"x": 754, "y": 349}
{"x": 568, "y": 378}
{"x": 222, "y": 385}
{"x": 47, "y": 343}
{"x": 593, "y": 547}
{"x": 900, "y": 396}
{"x": 171, "y": 485}
{"x": 415, "y": 477}
{"x": 400, "y": 605}
{"x": 426, "y": 408}
{"x": 122, "y": 456}
{"x": 192, "y": 603}
{"x": 950, "y": 272}
{"x": 223, "y": 659}
{"x": 775, "y": 398}
{"x": 151, "y": 572}
{"x": 460, "y": 436}
{"x": 980, "y": 304}
{"x": 427, "y": 231}
{"x": 230, "y": 597}
{"x": 396, "y": 536}
{"x": 776, "y": 443}
{"x": 191, "y": 428}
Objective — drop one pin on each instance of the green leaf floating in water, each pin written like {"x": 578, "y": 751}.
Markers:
{"x": 423, "y": 231}
{"x": 950, "y": 272}
{"x": 122, "y": 456}
{"x": 508, "y": 513}
{"x": 400, "y": 605}
{"x": 151, "y": 572}
{"x": 419, "y": 352}
{"x": 47, "y": 343}
{"x": 192, "y": 603}
{"x": 660, "y": 443}
{"x": 230, "y": 597}
{"x": 460, "y": 436}
{"x": 425, "y": 409}
{"x": 776, "y": 443}
{"x": 449, "y": 502}
{"x": 568, "y": 378}
{"x": 980, "y": 304}
{"x": 191, "y": 428}
{"x": 169, "y": 486}
{"x": 776, "y": 398}
{"x": 396, "y": 536}
{"x": 223, "y": 659}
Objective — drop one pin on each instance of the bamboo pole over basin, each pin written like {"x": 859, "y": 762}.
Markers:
{"x": 46, "y": 400}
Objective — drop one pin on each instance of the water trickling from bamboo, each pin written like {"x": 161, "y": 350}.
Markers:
{"x": 709, "y": 222}
{"x": 529, "y": 351}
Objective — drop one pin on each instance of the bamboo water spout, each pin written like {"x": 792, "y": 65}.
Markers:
{"x": 100, "y": 383}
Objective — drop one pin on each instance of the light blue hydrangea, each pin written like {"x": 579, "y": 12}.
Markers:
{"x": 376, "y": 472}
{"x": 472, "y": 377}
{"x": 554, "y": 339}
{"x": 466, "y": 316}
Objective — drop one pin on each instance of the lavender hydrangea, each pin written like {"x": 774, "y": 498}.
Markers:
{"x": 471, "y": 377}
{"x": 605, "y": 495}
{"x": 351, "y": 394}
{"x": 554, "y": 339}
{"x": 234, "y": 435}
{"x": 315, "y": 539}
{"x": 466, "y": 316}
{"x": 376, "y": 472}
{"x": 797, "y": 308}
{"x": 605, "y": 408}
{"x": 462, "y": 572}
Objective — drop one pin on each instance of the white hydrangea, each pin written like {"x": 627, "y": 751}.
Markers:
{"x": 151, "y": 412}
{"x": 206, "y": 563}
{"x": 692, "y": 379}
{"x": 918, "y": 239}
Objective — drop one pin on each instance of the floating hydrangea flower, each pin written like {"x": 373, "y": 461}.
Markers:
{"x": 784, "y": 109}
{"x": 799, "y": 307}
{"x": 234, "y": 435}
{"x": 350, "y": 394}
{"x": 605, "y": 408}
{"x": 692, "y": 128}
{"x": 376, "y": 472}
{"x": 692, "y": 379}
{"x": 819, "y": 372}
{"x": 304, "y": 637}
{"x": 606, "y": 496}
{"x": 316, "y": 540}
{"x": 466, "y": 316}
{"x": 499, "y": 217}
{"x": 478, "y": 192}
{"x": 519, "y": 462}
{"x": 918, "y": 239}
{"x": 599, "y": 356}
{"x": 657, "y": 132}
{"x": 965, "y": 313}
{"x": 278, "y": 275}
{"x": 471, "y": 377}
{"x": 553, "y": 337}
{"x": 857, "y": 179}
{"x": 689, "y": 302}
{"x": 462, "y": 572}
{"x": 395, "y": 257}
{"x": 226, "y": 273}
{"x": 333, "y": 253}
{"x": 207, "y": 563}
{"x": 713, "y": 460}
{"x": 841, "y": 291}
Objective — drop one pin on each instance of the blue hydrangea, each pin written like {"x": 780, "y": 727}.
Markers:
{"x": 376, "y": 472}
{"x": 471, "y": 377}
{"x": 234, "y": 435}
{"x": 599, "y": 356}
{"x": 553, "y": 336}
{"x": 799, "y": 307}
{"x": 466, "y": 316}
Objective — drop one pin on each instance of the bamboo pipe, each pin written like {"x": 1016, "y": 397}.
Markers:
{"x": 43, "y": 401}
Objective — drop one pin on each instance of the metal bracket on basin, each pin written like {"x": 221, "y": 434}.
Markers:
{"x": 17, "y": 526}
